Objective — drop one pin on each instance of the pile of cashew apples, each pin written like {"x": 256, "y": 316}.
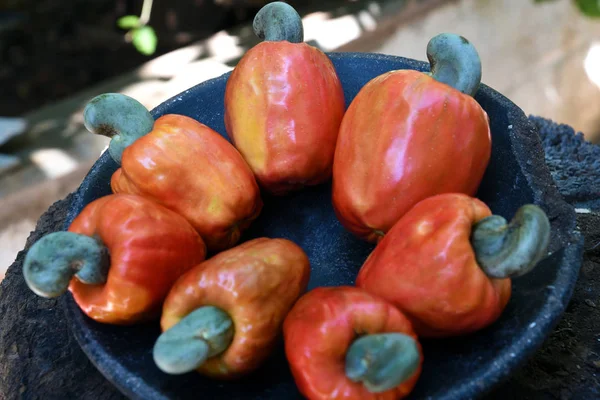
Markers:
{"x": 404, "y": 160}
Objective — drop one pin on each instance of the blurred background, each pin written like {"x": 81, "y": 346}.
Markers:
{"x": 55, "y": 55}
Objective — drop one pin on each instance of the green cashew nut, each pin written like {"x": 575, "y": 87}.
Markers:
{"x": 119, "y": 117}
{"x": 455, "y": 62}
{"x": 278, "y": 21}
{"x": 382, "y": 361}
{"x": 512, "y": 249}
{"x": 54, "y": 259}
{"x": 203, "y": 333}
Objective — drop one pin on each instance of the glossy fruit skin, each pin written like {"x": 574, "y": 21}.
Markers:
{"x": 256, "y": 283}
{"x": 321, "y": 327}
{"x": 405, "y": 137}
{"x": 150, "y": 247}
{"x": 191, "y": 169}
{"x": 283, "y": 107}
{"x": 425, "y": 266}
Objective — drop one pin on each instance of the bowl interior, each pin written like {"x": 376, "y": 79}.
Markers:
{"x": 454, "y": 368}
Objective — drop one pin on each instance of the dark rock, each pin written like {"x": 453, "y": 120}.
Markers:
{"x": 590, "y": 303}
{"x": 573, "y": 162}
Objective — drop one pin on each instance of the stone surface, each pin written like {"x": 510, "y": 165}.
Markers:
{"x": 572, "y": 161}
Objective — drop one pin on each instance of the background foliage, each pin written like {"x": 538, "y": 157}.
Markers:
{"x": 591, "y": 8}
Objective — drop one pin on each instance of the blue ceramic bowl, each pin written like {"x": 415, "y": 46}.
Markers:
{"x": 460, "y": 368}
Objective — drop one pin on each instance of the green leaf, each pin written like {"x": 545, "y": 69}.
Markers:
{"x": 128, "y": 22}
{"x": 591, "y": 8}
{"x": 144, "y": 39}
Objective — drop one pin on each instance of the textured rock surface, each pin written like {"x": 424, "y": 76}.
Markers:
{"x": 573, "y": 163}
{"x": 40, "y": 359}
